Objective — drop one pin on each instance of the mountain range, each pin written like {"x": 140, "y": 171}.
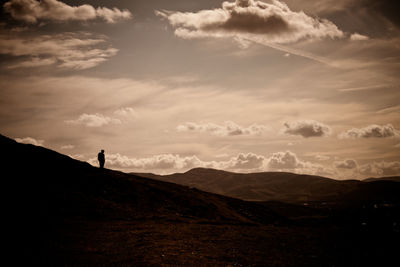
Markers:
{"x": 281, "y": 186}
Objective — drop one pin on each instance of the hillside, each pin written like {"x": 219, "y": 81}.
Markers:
{"x": 60, "y": 211}
{"x": 276, "y": 186}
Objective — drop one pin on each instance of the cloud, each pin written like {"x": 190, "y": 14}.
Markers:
{"x": 30, "y": 140}
{"x": 358, "y": 37}
{"x": 346, "y": 164}
{"x": 306, "y": 128}
{"x": 33, "y": 63}
{"x": 246, "y": 161}
{"x": 126, "y": 112}
{"x": 68, "y": 147}
{"x": 97, "y": 120}
{"x": 283, "y": 160}
{"x": 157, "y": 162}
{"x": 288, "y": 161}
{"x": 171, "y": 162}
{"x": 376, "y": 131}
{"x": 322, "y": 157}
{"x": 94, "y": 120}
{"x": 382, "y": 168}
{"x": 67, "y": 50}
{"x": 268, "y": 23}
{"x": 243, "y": 162}
{"x": 32, "y": 10}
{"x": 228, "y": 129}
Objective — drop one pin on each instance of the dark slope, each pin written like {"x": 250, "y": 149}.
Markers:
{"x": 62, "y": 185}
{"x": 46, "y": 190}
{"x": 279, "y": 186}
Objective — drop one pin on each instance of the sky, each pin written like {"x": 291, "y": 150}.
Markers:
{"x": 302, "y": 86}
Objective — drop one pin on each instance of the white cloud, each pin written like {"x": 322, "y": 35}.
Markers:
{"x": 376, "y": 131}
{"x": 322, "y": 157}
{"x": 358, "y": 37}
{"x": 307, "y": 128}
{"x": 252, "y": 20}
{"x": 32, "y": 10}
{"x": 126, "y": 112}
{"x": 33, "y": 62}
{"x": 30, "y": 140}
{"x": 382, "y": 168}
{"x": 247, "y": 161}
{"x": 113, "y": 15}
{"x": 243, "y": 162}
{"x": 67, "y": 50}
{"x": 97, "y": 120}
{"x": 288, "y": 161}
{"x": 283, "y": 161}
{"x": 68, "y": 147}
{"x": 157, "y": 162}
{"x": 228, "y": 129}
{"x": 346, "y": 164}
{"x": 94, "y": 120}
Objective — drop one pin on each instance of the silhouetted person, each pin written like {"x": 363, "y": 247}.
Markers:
{"x": 101, "y": 158}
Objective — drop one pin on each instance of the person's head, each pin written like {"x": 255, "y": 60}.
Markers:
{"x": 102, "y": 151}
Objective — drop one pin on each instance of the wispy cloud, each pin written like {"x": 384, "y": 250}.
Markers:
{"x": 31, "y": 11}
{"x": 67, "y": 50}
{"x": 322, "y": 157}
{"x": 120, "y": 115}
{"x": 364, "y": 88}
{"x": 93, "y": 120}
{"x": 126, "y": 112}
{"x": 228, "y": 129}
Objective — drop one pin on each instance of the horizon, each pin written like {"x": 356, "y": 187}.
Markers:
{"x": 306, "y": 87}
{"x": 95, "y": 165}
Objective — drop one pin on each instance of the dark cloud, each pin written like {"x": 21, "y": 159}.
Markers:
{"x": 307, "y": 128}
{"x": 251, "y": 23}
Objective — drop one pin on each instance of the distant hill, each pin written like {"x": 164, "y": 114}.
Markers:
{"x": 390, "y": 178}
{"x": 273, "y": 186}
